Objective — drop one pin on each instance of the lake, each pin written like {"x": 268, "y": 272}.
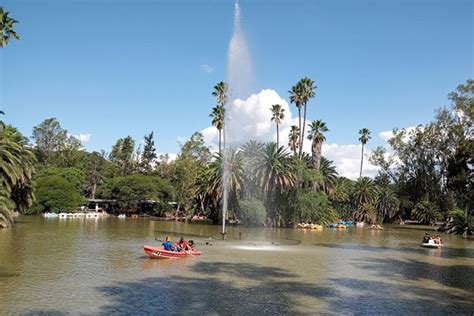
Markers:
{"x": 90, "y": 266}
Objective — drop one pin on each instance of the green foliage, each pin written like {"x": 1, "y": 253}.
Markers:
{"x": 74, "y": 176}
{"x": 56, "y": 194}
{"x": 6, "y": 28}
{"x": 132, "y": 191}
{"x": 314, "y": 207}
{"x": 122, "y": 155}
{"x": 252, "y": 212}
{"x": 148, "y": 155}
{"x": 461, "y": 223}
{"x": 368, "y": 213}
{"x": 426, "y": 212}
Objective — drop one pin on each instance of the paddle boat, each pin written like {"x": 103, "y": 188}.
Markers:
{"x": 310, "y": 226}
{"x": 160, "y": 253}
{"x": 431, "y": 244}
{"x": 50, "y": 215}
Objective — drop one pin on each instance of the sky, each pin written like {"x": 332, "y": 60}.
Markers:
{"x": 107, "y": 69}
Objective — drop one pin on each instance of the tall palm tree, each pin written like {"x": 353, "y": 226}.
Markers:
{"x": 294, "y": 139}
{"x": 309, "y": 92}
{"x": 217, "y": 115}
{"x": 278, "y": 114}
{"x": 364, "y": 138}
{"x": 317, "y": 128}
{"x": 387, "y": 203}
{"x": 296, "y": 97}
{"x": 6, "y": 28}
{"x": 221, "y": 90}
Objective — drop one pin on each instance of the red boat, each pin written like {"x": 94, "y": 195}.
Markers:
{"x": 160, "y": 253}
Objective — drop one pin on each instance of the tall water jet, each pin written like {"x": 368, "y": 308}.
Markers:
{"x": 239, "y": 73}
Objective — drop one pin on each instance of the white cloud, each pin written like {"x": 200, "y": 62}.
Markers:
{"x": 207, "y": 68}
{"x": 346, "y": 158}
{"x": 166, "y": 157}
{"x": 387, "y": 135}
{"x": 84, "y": 138}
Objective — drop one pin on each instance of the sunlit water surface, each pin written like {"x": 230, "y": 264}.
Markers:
{"x": 98, "y": 266}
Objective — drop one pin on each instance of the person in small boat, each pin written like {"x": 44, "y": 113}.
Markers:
{"x": 426, "y": 238}
{"x": 190, "y": 245}
{"x": 168, "y": 244}
{"x": 181, "y": 245}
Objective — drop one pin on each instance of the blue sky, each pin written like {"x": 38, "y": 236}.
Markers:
{"x": 116, "y": 68}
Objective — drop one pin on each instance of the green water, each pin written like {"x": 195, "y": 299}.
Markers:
{"x": 56, "y": 266}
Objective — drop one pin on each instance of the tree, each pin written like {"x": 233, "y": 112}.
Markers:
{"x": 218, "y": 115}
{"x": 6, "y": 28}
{"x": 49, "y": 137}
{"x": 294, "y": 139}
{"x": 122, "y": 155}
{"x": 149, "y": 154}
{"x": 74, "y": 176}
{"x": 278, "y": 114}
{"x": 252, "y": 212}
{"x": 220, "y": 92}
{"x": 364, "y": 138}
{"x": 55, "y": 194}
{"x": 364, "y": 192}
{"x": 95, "y": 172}
{"x": 309, "y": 92}
{"x": 133, "y": 192}
{"x": 16, "y": 170}
{"x": 329, "y": 174}
{"x": 314, "y": 207}
{"x": 296, "y": 97}
{"x": 387, "y": 203}
{"x": 316, "y": 134}
{"x": 426, "y": 212}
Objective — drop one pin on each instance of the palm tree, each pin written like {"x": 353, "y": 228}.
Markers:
{"x": 278, "y": 114}
{"x": 6, "y": 28}
{"x": 294, "y": 138}
{"x": 364, "y": 138}
{"x": 364, "y": 191}
{"x": 217, "y": 115}
{"x": 296, "y": 97}
{"x": 426, "y": 212}
{"x": 274, "y": 176}
{"x": 329, "y": 173}
{"x": 275, "y": 172}
{"x": 387, "y": 203}
{"x": 309, "y": 92}
{"x": 317, "y": 129}
{"x": 16, "y": 170}
{"x": 220, "y": 92}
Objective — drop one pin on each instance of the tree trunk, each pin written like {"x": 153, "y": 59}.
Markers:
{"x": 361, "y": 160}
{"x": 302, "y": 132}
{"x": 299, "y": 125}
{"x": 220, "y": 141}
{"x": 94, "y": 189}
{"x": 316, "y": 151}
{"x": 278, "y": 137}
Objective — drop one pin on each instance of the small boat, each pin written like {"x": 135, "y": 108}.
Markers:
{"x": 341, "y": 226}
{"x": 431, "y": 245}
{"x": 122, "y": 216}
{"x": 160, "y": 253}
{"x": 50, "y": 215}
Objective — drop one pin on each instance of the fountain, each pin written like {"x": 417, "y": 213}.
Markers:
{"x": 240, "y": 80}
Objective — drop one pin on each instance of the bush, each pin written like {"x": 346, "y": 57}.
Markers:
{"x": 252, "y": 212}
{"x": 315, "y": 207}
{"x": 426, "y": 212}
{"x": 55, "y": 194}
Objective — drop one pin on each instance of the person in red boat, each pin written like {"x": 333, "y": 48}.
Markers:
{"x": 181, "y": 245}
{"x": 168, "y": 244}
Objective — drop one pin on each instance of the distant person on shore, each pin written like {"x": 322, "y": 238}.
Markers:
{"x": 168, "y": 245}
